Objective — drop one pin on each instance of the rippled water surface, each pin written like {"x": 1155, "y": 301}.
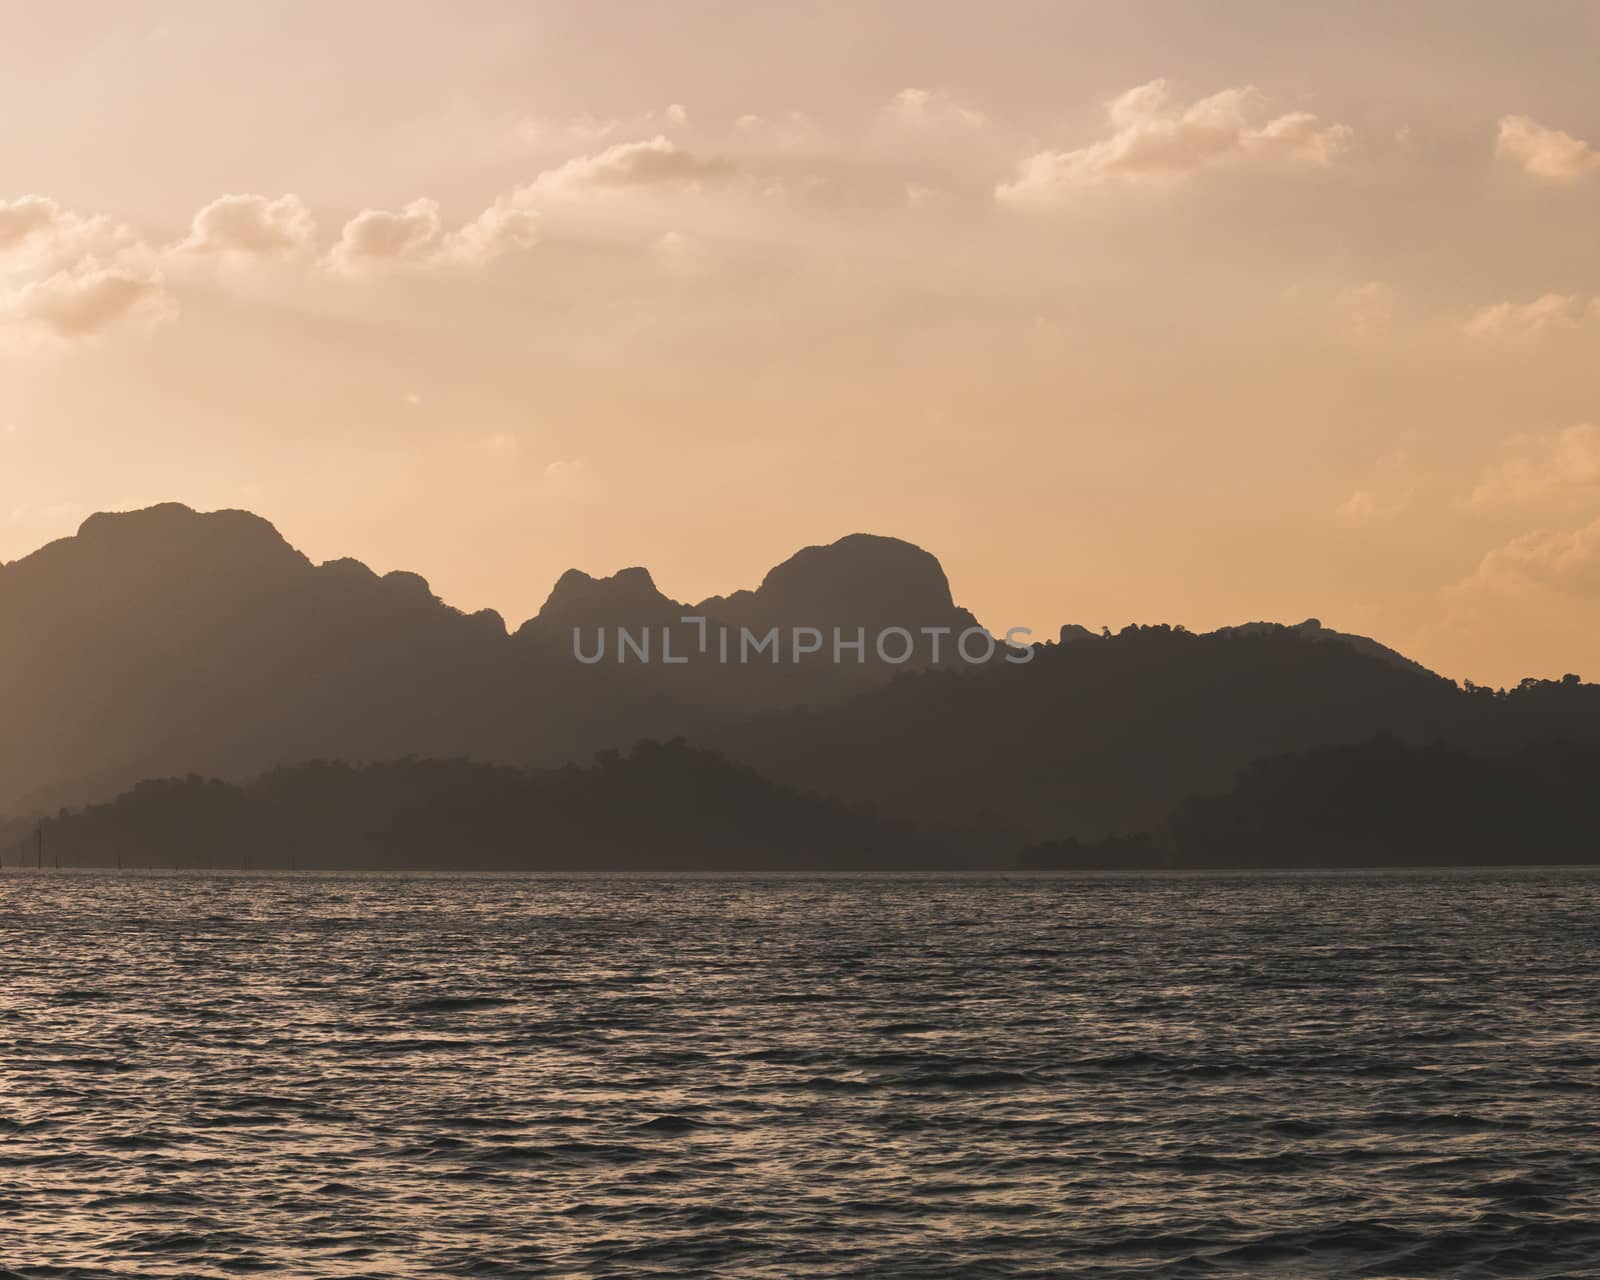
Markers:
{"x": 1295, "y": 1076}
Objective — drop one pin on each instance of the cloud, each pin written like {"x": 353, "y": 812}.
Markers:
{"x": 1541, "y": 467}
{"x": 1359, "y": 507}
{"x": 1544, "y": 152}
{"x": 789, "y": 133}
{"x": 658, "y": 162}
{"x": 1564, "y": 561}
{"x": 1525, "y": 321}
{"x": 564, "y": 476}
{"x": 1537, "y": 595}
{"x": 504, "y": 227}
{"x": 39, "y": 232}
{"x": 86, "y": 300}
{"x": 384, "y": 237}
{"x": 681, "y": 254}
{"x": 24, "y": 218}
{"x": 931, "y": 109}
{"x": 252, "y": 225}
{"x": 89, "y": 272}
{"x": 922, "y": 133}
{"x": 415, "y": 236}
{"x": 1154, "y": 140}
{"x": 1365, "y": 310}
{"x": 1370, "y": 506}
{"x": 547, "y": 133}
{"x": 540, "y": 132}
{"x": 501, "y": 446}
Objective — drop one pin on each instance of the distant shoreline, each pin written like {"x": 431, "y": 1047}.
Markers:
{"x": 896, "y": 874}
{"x": 673, "y": 808}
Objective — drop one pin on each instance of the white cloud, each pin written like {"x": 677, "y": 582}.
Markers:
{"x": 501, "y": 446}
{"x": 931, "y": 109}
{"x": 38, "y": 232}
{"x": 1537, "y": 595}
{"x": 1365, "y": 310}
{"x": 25, "y": 218}
{"x": 564, "y": 476}
{"x": 1372, "y": 506}
{"x": 1525, "y": 321}
{"x": 1153, "y": 139}
{"x": 1359, "y": 507}
{"x": 415, "y": 236}
{"x": 1541, "y": 467}
{"x": 383, "y": 237}
{"x": 1565, "y": 561}
{"x": 1544, "y": 152}
{"x": 252, "y": 226}
{"x": 658, "y": 162}
{"x": 85, "y": 300}
{"x": 538, "y": 132}
{"x": 680, "y": 253}
{"x": 545, "y": 133}
{"x": 504, "y": 227}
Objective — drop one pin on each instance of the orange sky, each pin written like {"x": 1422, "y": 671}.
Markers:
{"x": 1128, "y": 312}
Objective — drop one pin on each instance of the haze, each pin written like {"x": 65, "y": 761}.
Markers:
{"x": 1134, "y": 312}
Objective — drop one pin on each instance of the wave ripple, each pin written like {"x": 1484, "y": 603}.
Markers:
{"x": 1168, "y": 1076}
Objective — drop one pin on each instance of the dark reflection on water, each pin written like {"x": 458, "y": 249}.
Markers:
{"x": 1294, "y": 1076}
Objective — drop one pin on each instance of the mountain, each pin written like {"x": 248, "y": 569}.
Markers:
{"x": 1099, "y": 736}
{"x": 627, "y": 598}
{"x": 746, "y": 649}
{"x": 165, "y": 640}
{"x": 859, "y": 581}
{"x": 168, "y": 641}
{"x": 1312, "y": 629}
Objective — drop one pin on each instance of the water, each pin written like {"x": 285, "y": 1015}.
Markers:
{"x": 1294, "y": 1075}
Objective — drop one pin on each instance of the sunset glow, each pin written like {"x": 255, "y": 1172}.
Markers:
{"x": 1128, "y": 313}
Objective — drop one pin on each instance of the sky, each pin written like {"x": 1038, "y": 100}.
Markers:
{"x": 1128, "y": 312}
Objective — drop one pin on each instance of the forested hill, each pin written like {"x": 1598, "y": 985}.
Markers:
{"x": 662, "y": 806}
{"x": 1107, "y": 734}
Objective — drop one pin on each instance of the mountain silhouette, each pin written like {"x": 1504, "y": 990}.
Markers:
{"x": 165, "y": 639}
{"x": 855, "y": 588}
{"x": 1312, "y": 629}
{"x": 167, "y": 642}
{"x": 859, "y": 581}
{"x": 1100, "y": 736}
{"x": 627, "y": 598}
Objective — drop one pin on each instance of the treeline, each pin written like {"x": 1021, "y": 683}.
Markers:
{"x": 667, "y": 806}
{"x": 663, "y": 806}
{"x": 1378, "y": 804}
